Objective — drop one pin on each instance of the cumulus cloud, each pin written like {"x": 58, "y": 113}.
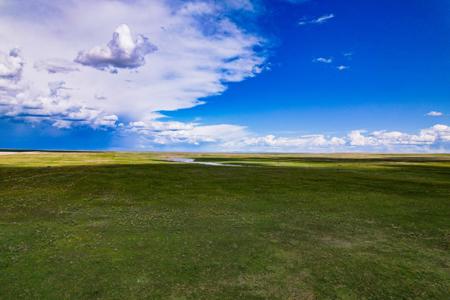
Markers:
{"x": 318, "y": 20}
{"x": 11, "y": 65}
{"x": 171, "y": 132}
{"x": 18, "y": 100}
{"x": 55, "y": 108}
{"x": 122, "y": 52}
{"x": 54, "y": 66}
{"x": 439, "y": 133}
{"x": 228, "y": 137}
{"x": 286, "y": 144}
{"x": 224, "y": 136}
{"x": 193, "y": 61}
{"x": 435, "y": 114}
{"x": 358, "y": 140}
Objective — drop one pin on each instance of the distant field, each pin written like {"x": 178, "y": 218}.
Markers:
{"x": 135, "y": 226}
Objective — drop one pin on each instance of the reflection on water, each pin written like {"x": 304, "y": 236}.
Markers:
{"x": 192, "y": 161}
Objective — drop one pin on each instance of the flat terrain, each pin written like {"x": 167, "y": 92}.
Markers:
{"x": 134, "y": 226}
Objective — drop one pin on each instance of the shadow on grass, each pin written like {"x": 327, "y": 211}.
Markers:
{"x": 255, "y": 178}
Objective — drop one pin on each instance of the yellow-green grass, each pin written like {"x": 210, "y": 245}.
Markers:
{"x": 135, "y": 226}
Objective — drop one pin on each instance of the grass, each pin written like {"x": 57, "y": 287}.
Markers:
{"x": 133, "y": 226}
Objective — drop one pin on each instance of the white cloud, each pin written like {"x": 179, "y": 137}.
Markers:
{"x": 435, "y": 114}
{"x": 325, "y": 60}
{"x": 342, "y": 67}
{"x": 170, "y": 132}
{"x": 274, "y": 143}
{"x": 323, "y": 19}
{"x": 318, "y": 20}
{"x": 123, "y": 51}
{"x": 358, "y": 140}
{"x": 227, "y": 137}
{"x": 11, "y": 65}
{"x": 195, "y": 58}
{"x": 437, "y": 133}
{"x": 20, "y": 101}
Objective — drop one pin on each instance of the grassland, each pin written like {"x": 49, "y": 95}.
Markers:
{"x": 134, "y": 226}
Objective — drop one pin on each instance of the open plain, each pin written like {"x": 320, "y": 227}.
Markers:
{"x": 137, "y": 226}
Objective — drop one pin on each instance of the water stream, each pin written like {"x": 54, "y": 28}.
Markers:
{"x": 192, "y": 161}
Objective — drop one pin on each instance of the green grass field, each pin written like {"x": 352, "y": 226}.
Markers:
{"x": 134, "y": 226}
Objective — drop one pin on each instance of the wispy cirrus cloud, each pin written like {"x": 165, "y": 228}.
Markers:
{"x": 318, "y": 20}
{"x": 331, "y": 62}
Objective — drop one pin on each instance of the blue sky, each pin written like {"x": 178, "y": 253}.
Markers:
{"x": 278, "y": 76}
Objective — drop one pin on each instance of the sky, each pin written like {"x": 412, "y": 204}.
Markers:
{"x": 230, "y": 75}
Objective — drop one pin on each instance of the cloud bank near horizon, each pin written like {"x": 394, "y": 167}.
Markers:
{"x": 226, "y": 137}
